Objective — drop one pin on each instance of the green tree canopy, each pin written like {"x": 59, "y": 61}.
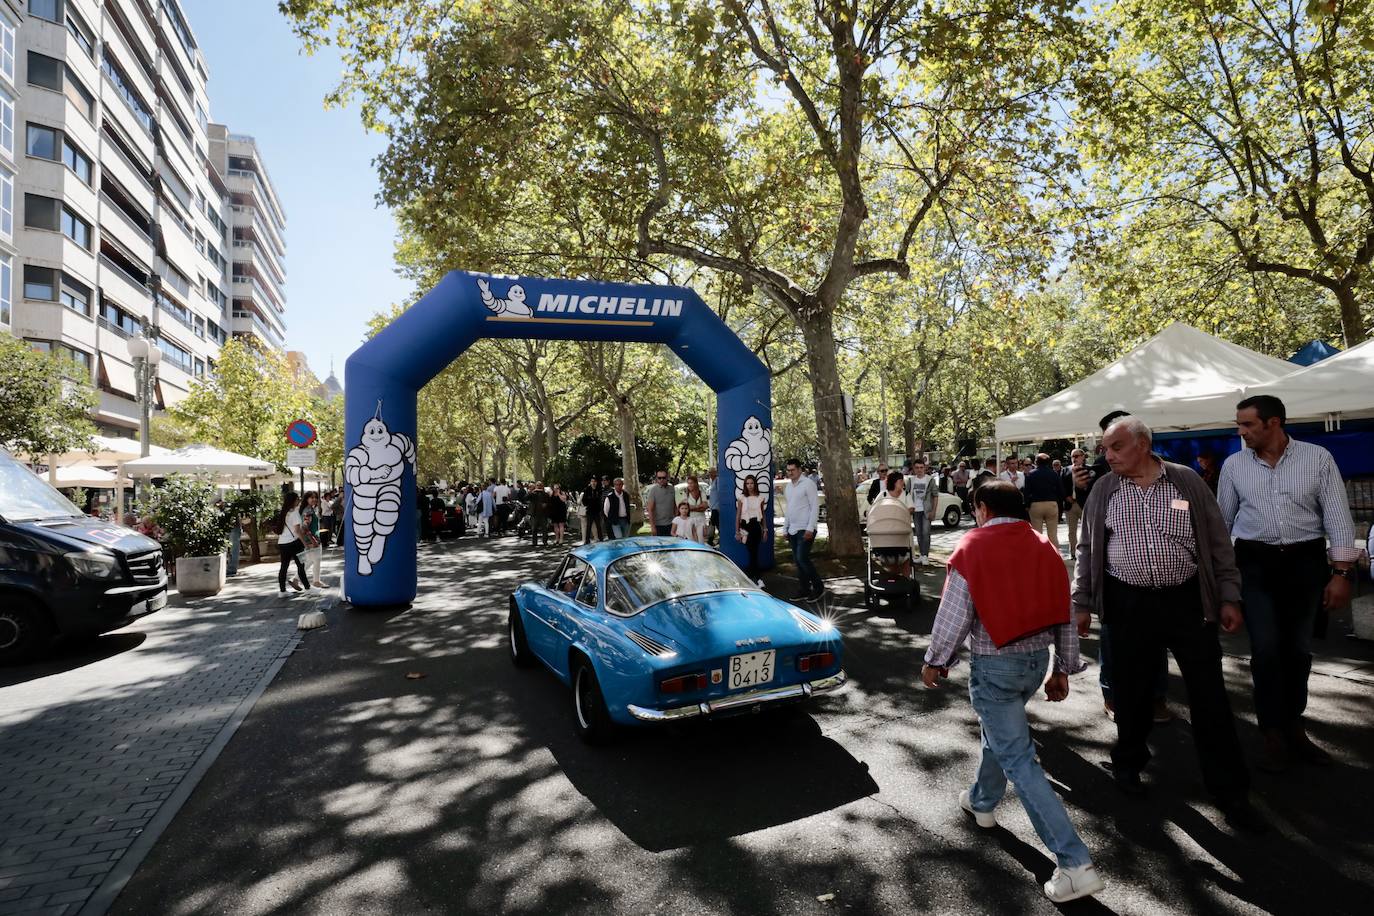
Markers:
{"x": 45, "y": 402}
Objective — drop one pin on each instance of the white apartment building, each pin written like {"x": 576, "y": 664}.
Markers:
{"x": 119, "y": 206}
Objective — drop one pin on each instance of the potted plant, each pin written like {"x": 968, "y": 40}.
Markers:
{"x": 195, "y": 532}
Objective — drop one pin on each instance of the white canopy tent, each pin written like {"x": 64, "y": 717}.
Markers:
{"x": 1340, "y": 386}
{"x": 1181, "y": 378}
{"x": 202, "y": 460}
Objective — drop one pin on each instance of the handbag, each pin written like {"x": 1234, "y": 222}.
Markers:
{"x": 740, "y": 535}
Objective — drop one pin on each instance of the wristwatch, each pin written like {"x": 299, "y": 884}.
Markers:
{"x": 1344, "y": 573}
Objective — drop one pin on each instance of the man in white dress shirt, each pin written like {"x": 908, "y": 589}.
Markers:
{"x": 803, "y": 511}
{"x": 1283, "y": 501}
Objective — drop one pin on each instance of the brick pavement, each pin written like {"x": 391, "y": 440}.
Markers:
{"x": 95, "y": 739}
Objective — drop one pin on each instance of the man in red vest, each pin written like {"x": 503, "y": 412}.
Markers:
{"x": 1007, "y": 593}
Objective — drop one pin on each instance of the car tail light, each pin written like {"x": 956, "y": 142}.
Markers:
{"x": 815, "y": 662}
{"x": 683, "y": 683}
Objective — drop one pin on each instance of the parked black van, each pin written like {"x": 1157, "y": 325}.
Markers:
{"x": 63, "y": 573}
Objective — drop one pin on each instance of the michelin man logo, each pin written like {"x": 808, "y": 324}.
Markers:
{"x": 373, "y": 469}
{"x": 752, "y": 453}
{"x": 513, "y": 304}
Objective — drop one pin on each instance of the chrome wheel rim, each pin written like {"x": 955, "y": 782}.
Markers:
{"x": 579, "y": 699}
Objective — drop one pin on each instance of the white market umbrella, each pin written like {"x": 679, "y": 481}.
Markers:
{"x": 84, "y": 475}
{"x": 203, "y": 460}
{"x": 109, "y": 451}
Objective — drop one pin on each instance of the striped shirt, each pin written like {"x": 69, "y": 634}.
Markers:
{"x": 1301, "y": 498}
{"x": 1150, "y": 537}
{"x": 957, "y": 622}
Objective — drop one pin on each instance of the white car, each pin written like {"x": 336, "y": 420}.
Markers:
{"x": 948, "y": 508}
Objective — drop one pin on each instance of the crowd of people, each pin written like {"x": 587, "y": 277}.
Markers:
{"x": 1165, "y": 558}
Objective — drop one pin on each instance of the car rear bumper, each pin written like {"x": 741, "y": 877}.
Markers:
{"x": 741, "y": 701}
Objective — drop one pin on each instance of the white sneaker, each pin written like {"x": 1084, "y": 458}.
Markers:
{"x": 920, "y": 561}
{"x": 985, "y": 819}
{"x": 1071, "y": 883}
{"x": 925, "y": 561}
{"x": 760, "y": 583}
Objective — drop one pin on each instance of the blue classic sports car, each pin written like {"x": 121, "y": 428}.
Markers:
{"x": 655, "y": 629}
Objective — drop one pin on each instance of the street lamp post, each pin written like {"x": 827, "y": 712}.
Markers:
{"x": 146, "y": 356}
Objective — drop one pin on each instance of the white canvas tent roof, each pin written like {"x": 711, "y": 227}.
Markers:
{"x": 1181, "y": 378}
{"x": 200, "y": 459}
{"x": 1340, "y": 384}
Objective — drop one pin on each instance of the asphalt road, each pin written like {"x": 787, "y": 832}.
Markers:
{"x": 353, "y": 789}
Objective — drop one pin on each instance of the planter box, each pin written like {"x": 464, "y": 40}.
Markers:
{"x": 200, "y": 576}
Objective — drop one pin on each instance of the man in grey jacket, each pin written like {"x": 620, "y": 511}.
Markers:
{"x": 1155, "y": 562}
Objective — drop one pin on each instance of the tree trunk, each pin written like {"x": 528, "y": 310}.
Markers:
{"x": 1352, "y": 327}
{"x": 842, "y": 511}
{"x": 629, "y": 461}
{"x": 909, "y": 424}
{"x": 537, "y": 451}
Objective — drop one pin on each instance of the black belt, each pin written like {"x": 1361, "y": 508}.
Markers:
{"x": 1296, "y": 547}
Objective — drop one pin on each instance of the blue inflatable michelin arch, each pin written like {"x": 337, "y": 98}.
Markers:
{"x": 384, "y": 375}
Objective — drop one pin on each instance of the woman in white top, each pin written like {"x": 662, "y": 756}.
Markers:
{"x": 698, "y": 507}
{"x": 291, "y": 542}
{"x": 683, "y": 526}
{"x": 749, "y": 526}
{"x": 896, "y": 489}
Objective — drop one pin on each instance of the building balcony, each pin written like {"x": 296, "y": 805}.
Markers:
{"x": 265, "y": 266}
{"x": 246, "y": 286}
{"x": 246, "y": 322}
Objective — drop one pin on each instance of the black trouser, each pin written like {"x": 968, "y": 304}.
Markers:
{"x": 502, "y": 517}
{"x": 288, "y": 553}
{"x": 326, "y": 531}
{"x": 1141, "y": 623}
{"x": 753, "y": 537}
{"x": 962, "y": 493}
{"x": 1281, "y": 588}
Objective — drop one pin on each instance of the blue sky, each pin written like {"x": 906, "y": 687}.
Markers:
{"x": 339, "y": 259}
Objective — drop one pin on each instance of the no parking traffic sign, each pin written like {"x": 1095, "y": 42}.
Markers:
{"x": 300, "y": 433}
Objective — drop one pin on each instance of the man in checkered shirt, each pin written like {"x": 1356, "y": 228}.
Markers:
{"x": 1283, "y": 499}
{"x": 1155, "y": 562}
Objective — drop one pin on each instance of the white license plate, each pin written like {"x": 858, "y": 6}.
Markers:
{"x": 751, "y": 670}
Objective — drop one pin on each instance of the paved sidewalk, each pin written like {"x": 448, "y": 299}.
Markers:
{"x": 101, "y": 742}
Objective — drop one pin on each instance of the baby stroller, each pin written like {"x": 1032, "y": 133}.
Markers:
{"x": 891, "y": 570}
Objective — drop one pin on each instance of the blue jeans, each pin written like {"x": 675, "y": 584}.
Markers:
{"x": 920, "y": 524}
{"x": 620, "y": 529}
{"x": 999, "y": 687}
{"x": 807, "y": 577}
{"x": 1104, "y": 668}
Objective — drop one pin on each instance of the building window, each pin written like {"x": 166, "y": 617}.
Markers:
{"x": 79, "y": 360}
{"x": 40, "y": 283}
{"x": 175, "y": 355}
{"x": 50, "y": 10}
{"x": 114, "y": 317}
{"x": 200, "y": 367}
{"x": 7, "y": 47}
{"x": 42, "y": 212}
{"x": 76, "y": 228}
{"x": 6, "y": 203}
{"x": 45, "y": 71}
{"x": 41, "y": 142}
{"x": 76, "y": 296}
{"x": 80, "y": 32}
{"x": 7, "y": 123}
{"x": 51, "y": 73}
{"x": 78, "y": 94}
{"x": 126, "y": 91}
{"x": 76, "y": 160}
{"x": 6, "y": 284}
